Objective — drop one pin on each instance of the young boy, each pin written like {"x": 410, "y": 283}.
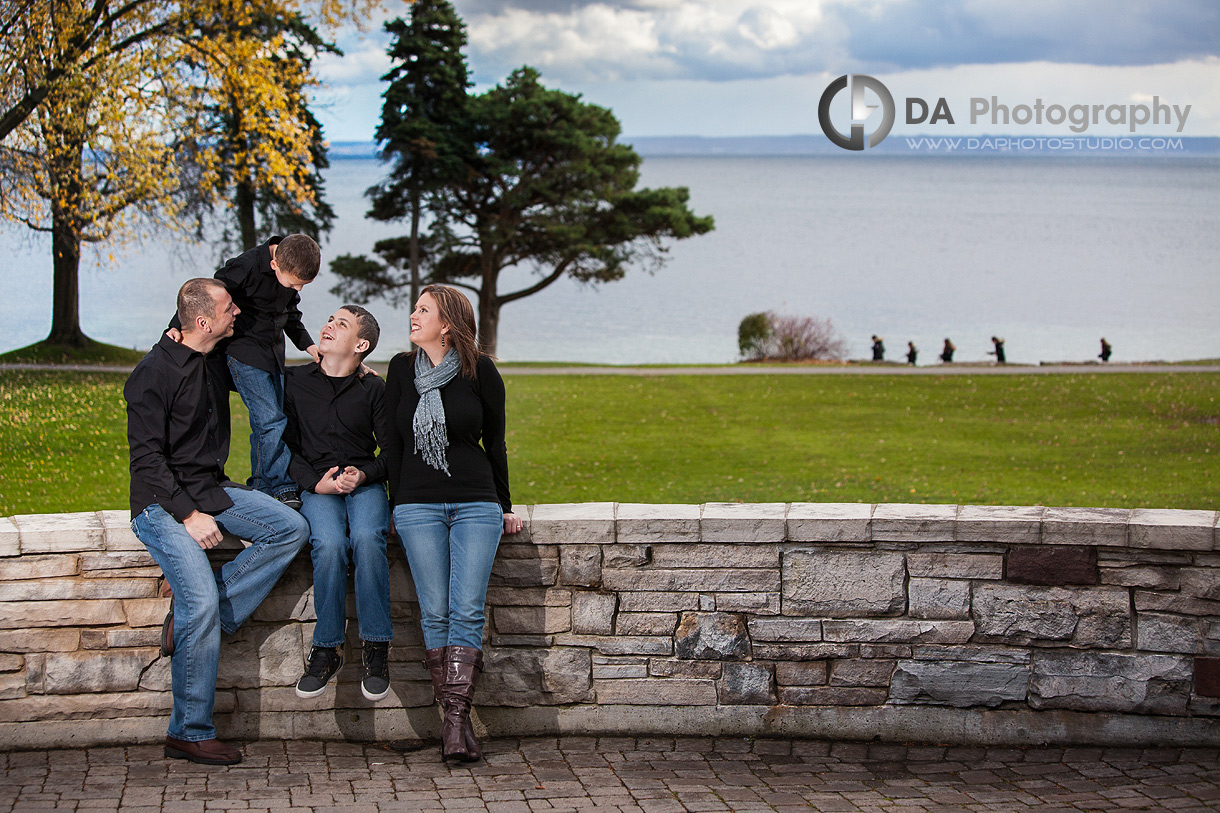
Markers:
{"x": 335, "y": 419}
{"x": 265, "y": 282}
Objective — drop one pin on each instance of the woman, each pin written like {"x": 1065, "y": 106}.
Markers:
{"x": 448, "y": 473}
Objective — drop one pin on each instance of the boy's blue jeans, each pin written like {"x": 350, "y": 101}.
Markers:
{"x": 450, "y": 548}
{"x": 207, "y": 602}
{"x": 263, "y": 394}
{"x": 343, "y": 529}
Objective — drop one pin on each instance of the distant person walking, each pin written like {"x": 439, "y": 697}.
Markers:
{"x": 1106, "y": 350}
{"x": 946, "y": 353}
{"x": 912, "y": 353}
{"x": 878, "y": 349}
{"x": 998, "y": 352}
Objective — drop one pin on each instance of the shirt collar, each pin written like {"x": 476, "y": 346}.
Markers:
{"x": 180, "y": 354}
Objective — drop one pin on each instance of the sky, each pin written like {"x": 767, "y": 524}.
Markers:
{"x": 759, "y": 67}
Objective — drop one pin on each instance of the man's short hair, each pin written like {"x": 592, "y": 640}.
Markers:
{"x": 366, "y": 327}
{"x": 197, "y": 298}
{"x": 299, "y": 256}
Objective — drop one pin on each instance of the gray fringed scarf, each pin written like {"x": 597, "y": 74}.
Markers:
{"x": 431, "y": 437}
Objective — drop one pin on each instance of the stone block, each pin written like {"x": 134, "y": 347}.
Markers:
{"x": 42, "y": 567}
{"x": 939, "y": 598}
{"x": 958, "y": 684}
{"x": 707, "y": 603}
{"x": 608, "y": 668}
{"x": 531, "y": 620}
{"x": 1147, "y": 601}
{"x": 1085, "y": 526}
{"x": 798, "y": 653}
{"x": 861, "y": 672}
{"x": 524, "y": 572}
{"x": 1052, "y": 565}
{"x": 956, "y": 565}
{"x": 1172, "y": 529}
{"x": 645, "y": 522}
{"x": 133, "y": 638}
{"x": 22, "y": 614}
{"x": 668, "y": 667}
{"x": 1088, "y": 617}
{"x": 645, "y": 623}
{"x": 1149, "y": 576}
{"x": 10, "y": 538}
{"x": 76, "y": 590}
{"x": 626, "y": 555}
{"x": 811, "y": 673}
{"x": 279, "y": 652}
{"x": 95, "y": 706}
{"x": 711, "y": 580}
{"x": 899, "y": 522}
{"x": 93, "y": 639}
{"x": 656, "y": 602}
{"x": 656, "y": 692}
{"x": 885, "y": 651}
{"x": 743, "y": 522}
{"x": 1006, "y": 524}
{"x": 830, "y": 522}
{"x": 712, "y": 637}
{"x": 620, "y": 644}
{"x": 1207, "y": 677}
{"x": 117, "y": 560}
{"x": 526, "y": 677}
{"x": 831, "y": 696}
{"x": 971, "y": 654}
{"x": 898, "y": 630}
{"x": 593, "y": 613}
{"x": 10, "y": 662}
{"x": 36, "y": 672}
{"x": 529, "y": 596}
{"x": 695, "y": 555}
{"x": 1158, "y": 632}
{"x": 1097, "y": 681}
{"x": 292, "y": 599}
{"x": 843, "y": 584}
{"x": 525, "y": 551}
{"x": 580, "y": 565}
{"x": 785, "y": 629}
{"x": 747, "y": 684}
{"x": 116, "y": 531}
{"x": 145, "y": 612}
{"x": 754, "y": 603}
{"x": 60, "y": 533}
{"x": 12, "y": 685}
{"x": 39, "y": 640}
{"x": 590, "y": 523}
{"x": 88, "y": 672}
{"x": 1199, "y": 582}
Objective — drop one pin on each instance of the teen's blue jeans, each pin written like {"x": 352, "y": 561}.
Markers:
{"x": 349, "y": 529}
{"x": 450, "y": 548}
{"x": 207, "y": 602}
{"x": 263, "y": 394}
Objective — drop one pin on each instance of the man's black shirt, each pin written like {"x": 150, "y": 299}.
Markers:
{"x": 333, "y": 422}
{"x": 177, "y": 432}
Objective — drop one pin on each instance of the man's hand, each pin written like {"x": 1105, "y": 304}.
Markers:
{"x": 203, "y": 529}
{"x": 328, "y": 484}
{"x": 351, "y": 479}
{"x": 312, "y": 350}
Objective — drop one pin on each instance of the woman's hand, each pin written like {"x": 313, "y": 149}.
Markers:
{"x": 513, "y": 524}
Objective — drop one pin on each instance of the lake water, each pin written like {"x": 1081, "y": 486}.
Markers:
{"x": 1051, "y": 253}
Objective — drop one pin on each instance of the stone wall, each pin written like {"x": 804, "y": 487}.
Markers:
{"x": 932, "y": 623}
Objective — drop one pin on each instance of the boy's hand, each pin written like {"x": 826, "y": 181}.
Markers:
{"x": 312, "y": 350}
{"x": 175, "y": 335}
{"x": 351, "y": 479}
{"x": 367, "y": 370}
{"x": 328, "y": 484}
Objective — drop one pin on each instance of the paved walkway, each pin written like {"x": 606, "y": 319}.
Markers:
{"x": 619, "y": 774}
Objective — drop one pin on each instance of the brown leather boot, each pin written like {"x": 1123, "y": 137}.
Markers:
{"x": 462, "y": 667}
{"x": 434, "y": 662}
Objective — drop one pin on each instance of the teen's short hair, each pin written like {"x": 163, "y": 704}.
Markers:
{"x": 366, "y": 327}
{"x": 196, "y": 298}
{"x": 299, "y": 255}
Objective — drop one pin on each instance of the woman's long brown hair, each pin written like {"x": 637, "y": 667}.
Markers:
{"x": 455, "y": 310}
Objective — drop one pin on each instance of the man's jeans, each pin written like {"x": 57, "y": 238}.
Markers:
{"x": 263, "y": 394}
{"x": 206, "y": 602}
{"x": 450, "y": 547}
{"x": 347, "y": 529}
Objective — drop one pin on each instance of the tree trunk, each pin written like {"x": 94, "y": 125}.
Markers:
{"x": 489, "y": 309}
{"x": 244, "y": 201}
{"x": 414, "y": 245}
{"x": 66, "y": 181}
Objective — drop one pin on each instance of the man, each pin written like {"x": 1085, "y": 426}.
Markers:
{"x": 181, "y": 501}
{"x": 335, "y": 419}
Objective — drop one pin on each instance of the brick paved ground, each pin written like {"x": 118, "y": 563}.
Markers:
{"x": 604, "y": 774}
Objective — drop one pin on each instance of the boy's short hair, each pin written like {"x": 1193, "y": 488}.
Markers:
{"x": 195, "y": 299}
{"x": 366, "y": 327}
{"x": 299, "y": 256}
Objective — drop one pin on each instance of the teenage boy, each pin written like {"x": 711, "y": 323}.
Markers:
{"x": 181, "y": 500}
{"x": 336, "y": 416}
{"x": 266, "y": 282}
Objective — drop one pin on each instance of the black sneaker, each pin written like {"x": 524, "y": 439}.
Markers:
{"x": 292, "y": 499}
{"x": 376, "y": 682}
{"x": 323, "y": 663}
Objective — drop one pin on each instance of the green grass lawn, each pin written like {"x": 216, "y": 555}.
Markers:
{"x": 1138, "y": 440}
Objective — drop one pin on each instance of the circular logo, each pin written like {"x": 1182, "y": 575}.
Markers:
{"x": 860, "y": 110}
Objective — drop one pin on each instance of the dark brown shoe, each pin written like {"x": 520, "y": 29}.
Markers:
{"x": 462, "y": 667}
{"x": 434, "y": 662}
{"x": 205, "y": 752}
{"x": 167, "y": 631}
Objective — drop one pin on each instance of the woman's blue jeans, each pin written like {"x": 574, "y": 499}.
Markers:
{"x": 206, "y": 601}
{"x": 450, "y": 548}
{"x": 263, "y": 394}
{"x": 349, "y": 529}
